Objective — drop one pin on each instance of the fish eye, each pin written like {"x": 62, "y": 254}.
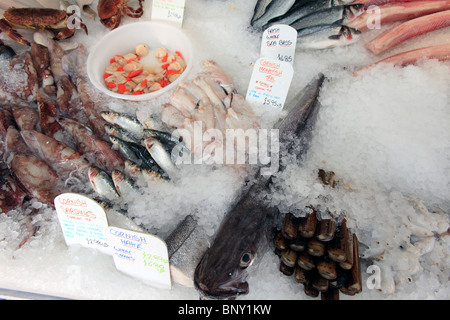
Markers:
{"x": 246, "y": 260}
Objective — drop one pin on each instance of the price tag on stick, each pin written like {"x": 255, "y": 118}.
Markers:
{"x": 141, "y": 256}
{"x": 83, "y": 221}
{"x": 270, "y": 82}
{"x": 279, "y": 42}
{"x": 169, "y": 10}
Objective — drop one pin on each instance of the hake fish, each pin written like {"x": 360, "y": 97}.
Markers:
{"x": 245, "y": 231}
{"x": 186, "y": 245}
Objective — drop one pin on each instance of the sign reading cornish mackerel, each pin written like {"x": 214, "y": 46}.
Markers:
{"x": 270, "y": 82}
{"x": 83, "y": 221}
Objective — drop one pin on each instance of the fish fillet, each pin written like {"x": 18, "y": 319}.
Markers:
{"x": 408, "y": 30}
{"x": 394, "y": 12}
{"x": 441, "y": 53}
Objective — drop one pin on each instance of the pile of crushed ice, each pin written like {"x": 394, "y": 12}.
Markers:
{"x": 384, "y": 134}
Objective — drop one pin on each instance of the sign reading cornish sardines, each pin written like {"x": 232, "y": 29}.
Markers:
{"x": 83, "y": 221}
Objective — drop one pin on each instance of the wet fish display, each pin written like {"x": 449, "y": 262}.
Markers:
{"x": 245, "y": 231}
{"x": 58, "y": 134}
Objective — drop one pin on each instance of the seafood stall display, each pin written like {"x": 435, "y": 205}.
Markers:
{"x": 229, "y": 184}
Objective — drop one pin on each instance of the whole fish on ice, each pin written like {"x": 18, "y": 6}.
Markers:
{"x": 245, "y": 231}
{"x": 326, "y": 36}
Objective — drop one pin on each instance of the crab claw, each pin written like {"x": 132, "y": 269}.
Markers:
{"x": 13, "y": 34}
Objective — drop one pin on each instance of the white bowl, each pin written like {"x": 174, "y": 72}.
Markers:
{"x": 124, "y": 39}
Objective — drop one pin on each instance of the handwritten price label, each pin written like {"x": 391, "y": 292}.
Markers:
{"x": 168, "y": 10}
{"x": 83, "y": 221}
{"x": 270, "y": 82}
{"x": 279, "y": 42}
{"x": 141, "y": 256}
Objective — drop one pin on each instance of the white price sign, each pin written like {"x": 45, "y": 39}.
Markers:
{"x": 141, "y": 256}
{"x": 270, "y": 82}
{"x": 279, "y": 42}
{"x": 168, "y": 10}
{"x": 83, "y": 221}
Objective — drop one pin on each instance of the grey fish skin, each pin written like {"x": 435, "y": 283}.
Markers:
{"x": 125, "y": 149}
{"x": 326, "y": 36}
{"x": 178, "y": 236}
{"x": 120, "y": 133}
{"x": 260, "y": 9}
{"x": 245, "y": 231}
{"x": 274, "y": 9}
{"x": 124, "y": 121}
{"x": 339, "y": 14}
{"x": 301, "y": 10}
{"x": 164, "y": 137}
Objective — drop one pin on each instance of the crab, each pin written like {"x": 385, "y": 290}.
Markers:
{"x": 111, "y": 11}
{"x": 36, "y": 18}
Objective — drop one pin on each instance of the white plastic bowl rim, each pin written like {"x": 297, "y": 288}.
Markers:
{"x": 124, "y": 39}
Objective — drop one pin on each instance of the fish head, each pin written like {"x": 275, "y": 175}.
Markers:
{"x": 222, "y": 276}
{"x": 240, "y": 242}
